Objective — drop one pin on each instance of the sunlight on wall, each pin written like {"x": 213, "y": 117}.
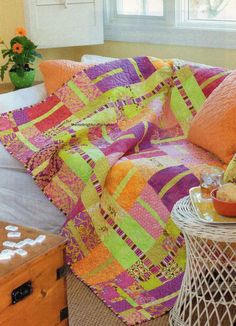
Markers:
{"x": 215, "y": 57}
{"x": 12, "y": 16}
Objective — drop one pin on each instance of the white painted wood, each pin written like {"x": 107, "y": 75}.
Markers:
{"x": 62, "y": 23}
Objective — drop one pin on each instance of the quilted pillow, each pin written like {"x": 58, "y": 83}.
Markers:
{"x": 57, "y": 72}
{"x": 214, "y": 127}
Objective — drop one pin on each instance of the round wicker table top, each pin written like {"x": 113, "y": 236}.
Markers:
{"x": 186, "y": 218}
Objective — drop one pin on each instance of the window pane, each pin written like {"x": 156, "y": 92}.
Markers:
{"x": 154, "y": 8}
{"x": 140, "y": 7}
{"x": 212, "y": 10}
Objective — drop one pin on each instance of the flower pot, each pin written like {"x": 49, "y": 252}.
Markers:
{"x": 22, "y": 81}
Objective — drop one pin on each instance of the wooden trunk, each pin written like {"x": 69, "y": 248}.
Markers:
{"x": 45, "y": 300}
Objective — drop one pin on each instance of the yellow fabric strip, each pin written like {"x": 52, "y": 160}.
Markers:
{"x": 210, "y": 80}
{"x": 42, "y": 117}
{"x": 167, "y": 140}
{"x": 124, "y": 295}
{"x": 150, "y": 210}
{"x": 78, "y": 92}
{"x": 78, "y": 239}
{"x": 136, "y": 148}
{"x": 172, "y": 182}
{"x": 156, "y": 302}
{"x": 65, "y": 188}
{"x": 107, "y": 74}
{"x": 129, "y": 136}
{"x": 26, "y": 142}
{"x": 148, "y": 152}
{"x": 100, "y": 268}
{"x": 147, "y": 305}
{"x": 40, "y": 168}
{"x": 134, "y": 63}
{"x": 106, "y": 136}
{"x": 124, "y": 182}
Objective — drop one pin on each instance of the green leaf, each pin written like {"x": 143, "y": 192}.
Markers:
{"x": 3, "y": 70}
{"x": 36, "y": 54}
{"x": 19, "y": 39}
{"x": 2, "y": 73}
{"x": 5, "y": 54}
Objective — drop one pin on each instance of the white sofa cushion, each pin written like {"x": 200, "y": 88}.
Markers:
{"x": 22, "y": 97}
{"x": 95, "y": 59}
{"x": 21, "y": 201}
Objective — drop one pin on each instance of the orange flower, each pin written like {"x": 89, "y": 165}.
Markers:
{"x": 17, "y": 48}
{"x": 21, "y": 31}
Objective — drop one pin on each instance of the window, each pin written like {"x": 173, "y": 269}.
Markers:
{"x": 140, "y": 7}
{"x": 209, "y": 23}
{"x": 214, "y": 10}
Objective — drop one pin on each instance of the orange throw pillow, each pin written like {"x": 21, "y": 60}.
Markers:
{"x": 214, "y": 126}
{"x": 57, "y": 72}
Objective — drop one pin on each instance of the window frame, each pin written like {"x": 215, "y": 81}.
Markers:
{"x": 180, "y": 31}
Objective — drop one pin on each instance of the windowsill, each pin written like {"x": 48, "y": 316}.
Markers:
{"x": 211, "y": 38}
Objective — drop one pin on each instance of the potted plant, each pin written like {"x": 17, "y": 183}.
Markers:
{"x": 20, "y": 56}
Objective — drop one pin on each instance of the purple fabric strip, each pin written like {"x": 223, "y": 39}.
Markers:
{"x": 170, "y": 303}
{"x": 102, "y": 69}
{"x": 179, "y": 190}
{"x": 116, "y": 80}
{"x": 167, "y": 288}
{"x": 120, "y": 306}
{"x": 20, "y": 117}
{"x": 145, "y": 66}
{"x": 161, "y": 178}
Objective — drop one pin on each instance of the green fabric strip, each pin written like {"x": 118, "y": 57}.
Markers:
{"x": 78, "y": 92}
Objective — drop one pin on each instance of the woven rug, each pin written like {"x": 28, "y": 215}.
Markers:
{"x": 85, "y": 309}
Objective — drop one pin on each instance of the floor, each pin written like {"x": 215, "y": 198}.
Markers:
{"x": 85, "y": 309}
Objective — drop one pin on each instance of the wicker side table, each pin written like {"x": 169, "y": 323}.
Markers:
{"x": 208, "y": 291}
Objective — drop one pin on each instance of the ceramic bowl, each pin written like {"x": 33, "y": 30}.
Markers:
{"x": 224, "y": 208}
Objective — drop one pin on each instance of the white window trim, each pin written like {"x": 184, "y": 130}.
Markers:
{"x": 172, "y": 29}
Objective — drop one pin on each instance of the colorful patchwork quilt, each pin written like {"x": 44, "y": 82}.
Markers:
{"x": 108, "y": 150}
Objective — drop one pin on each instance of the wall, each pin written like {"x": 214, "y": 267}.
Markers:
{"x": 12, "y": 16}
{"x": 217, "y": 57}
